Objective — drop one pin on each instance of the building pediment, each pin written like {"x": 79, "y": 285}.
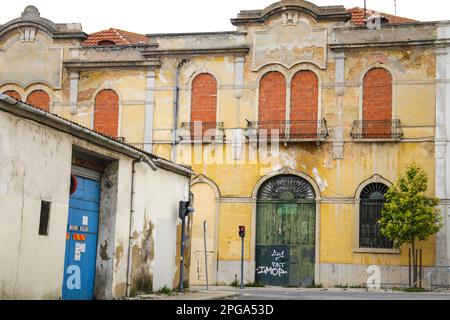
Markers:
{"x": 314, "y": 11}
{"x": 31, "y": 20}
{"x": 288, "y": 42}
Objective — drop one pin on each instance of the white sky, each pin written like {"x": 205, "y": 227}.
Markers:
{"x": 161, "y": 16}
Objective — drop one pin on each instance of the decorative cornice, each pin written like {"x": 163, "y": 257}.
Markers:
{"x": 316, "y": 12}
{"x": 83, "y": 65}
{"x": 242, "y": 50}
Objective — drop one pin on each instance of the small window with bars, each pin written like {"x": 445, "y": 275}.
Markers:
{"x": 371, "y": 207}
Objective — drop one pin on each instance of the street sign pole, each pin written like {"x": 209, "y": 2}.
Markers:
{"x": 242, "y": 235}
{"x": 242, "y": 265}
{"x": 183, "y": 243}
{"x": 205, "y": 227}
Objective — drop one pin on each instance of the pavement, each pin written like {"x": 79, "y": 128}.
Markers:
{"x": 192, "y": 294}
{"x": 279, "y": 293}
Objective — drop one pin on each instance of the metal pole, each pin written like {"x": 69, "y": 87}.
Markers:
{"x": 365, "y": 9}
{"x": 420, "y": 270}
{"x": 183, "y": 241}
{"x": 409, "y": 267}
{"x": 205, "y": 226}
{"x": 242, "y": 264}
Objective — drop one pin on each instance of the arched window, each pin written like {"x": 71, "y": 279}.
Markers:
{"x": 13, "y": 94}
{"x": 204, "y": 102}
{"x": 377, "y": 104}
{"x": 39, "y": 99}
{"x": 304, "y": 104}
{"x": 106, "y": 115}
{"x": 371, "y": 205}
{"x": 272, "y": 102}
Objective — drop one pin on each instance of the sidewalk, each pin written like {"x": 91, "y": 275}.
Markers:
{"x": 190, "y": 295}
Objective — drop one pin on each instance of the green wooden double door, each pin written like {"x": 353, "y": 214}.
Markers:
{"x": 286, "y": 232}
{"x": 286, "y": 242}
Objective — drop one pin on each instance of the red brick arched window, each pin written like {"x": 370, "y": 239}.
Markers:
{"x": 304, "y": 104}
{"x": 204, "y": 101}
{"x": 13, "y": 94}
{"x": 106, "y": 114}
{"x": 39, "y": 99}
{"x": 272, "y": 102}
{"x": 377, "y": 103}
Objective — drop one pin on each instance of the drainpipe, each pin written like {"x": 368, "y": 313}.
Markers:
{"x": 130, "y": 239}
{"x": 176, "y": 98}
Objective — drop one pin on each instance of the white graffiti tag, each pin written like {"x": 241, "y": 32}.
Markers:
{"x": 278, "y": 255}
{"x": 277, "y": 269}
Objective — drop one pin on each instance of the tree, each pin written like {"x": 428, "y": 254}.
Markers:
{"x": 409, "y": 215}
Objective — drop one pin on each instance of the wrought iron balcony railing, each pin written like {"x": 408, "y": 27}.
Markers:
{"x": 201, "y": 131}
{"x": 289, "y": 131}
{"x": 377, "y": 130}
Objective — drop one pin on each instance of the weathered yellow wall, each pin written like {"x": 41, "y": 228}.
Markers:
{"x": 233, "y": 215}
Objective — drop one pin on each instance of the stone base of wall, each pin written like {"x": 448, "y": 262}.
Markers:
{"x": 228, "y": 271}
{"x": 330, "y": 274}
{"x": 356, "y": 275}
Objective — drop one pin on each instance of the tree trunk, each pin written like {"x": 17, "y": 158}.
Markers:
{"x": 414, "y": 261}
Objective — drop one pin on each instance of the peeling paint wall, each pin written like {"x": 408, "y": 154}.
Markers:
{"x": 155, "y": 227}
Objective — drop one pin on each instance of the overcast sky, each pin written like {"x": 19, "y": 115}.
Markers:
{"x": 161, "y": 16}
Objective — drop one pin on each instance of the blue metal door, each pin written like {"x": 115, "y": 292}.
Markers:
{"x": 81, "y": 241}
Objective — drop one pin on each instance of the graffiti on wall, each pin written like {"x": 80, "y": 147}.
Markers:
{"x": 277, "y": 267}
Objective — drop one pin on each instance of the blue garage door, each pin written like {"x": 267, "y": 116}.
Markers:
{"x": 81, "y": 241}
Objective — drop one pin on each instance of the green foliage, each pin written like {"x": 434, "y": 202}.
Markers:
{"x": 165, "y": 291}
{"x": 255, "y": 285}
{"x": 409, "y": 215}
{"x": 235, "y": 284}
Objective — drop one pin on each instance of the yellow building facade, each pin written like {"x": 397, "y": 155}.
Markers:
{"x": 305, "y": 195}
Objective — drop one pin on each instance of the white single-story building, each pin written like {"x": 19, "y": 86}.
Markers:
{"x": 82, "y": 215}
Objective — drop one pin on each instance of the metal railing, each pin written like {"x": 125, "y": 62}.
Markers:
{"x": 291, "y": 131}
{"x": 440, "y": 277}
{"x": 201, "y": 131}
{"x": 388, "y": 130}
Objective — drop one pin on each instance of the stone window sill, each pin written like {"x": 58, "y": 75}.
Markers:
{"x": 379, "y": 251}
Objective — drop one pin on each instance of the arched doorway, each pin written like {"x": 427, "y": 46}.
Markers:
{"x": 286, "y": 232}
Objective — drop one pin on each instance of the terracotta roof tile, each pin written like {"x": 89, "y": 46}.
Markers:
{"x": 358, "y": 16}
{"x": 116, "y": 36}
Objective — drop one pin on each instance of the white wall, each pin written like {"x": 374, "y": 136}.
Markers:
{"x": 35, "y": 164}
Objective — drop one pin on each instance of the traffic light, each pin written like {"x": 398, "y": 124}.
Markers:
{"x": 242, "y": 231}
{"x": 185, "y": 209}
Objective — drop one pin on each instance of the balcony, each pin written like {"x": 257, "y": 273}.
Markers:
{"x": 201, "y": 132}
{"x": 377, "y": 130}
{"x": 287, "y": 131}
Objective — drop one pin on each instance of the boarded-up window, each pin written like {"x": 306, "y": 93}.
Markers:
{"x": 204, "y": 101}
{"x": 13, "y": 94}
{"x": 377, "y": 104}
{"x": 39, "y": 99}
{"x": 272, "y": 102}
{"x": 304, "y": 104}
{"x": 106, "y": 116}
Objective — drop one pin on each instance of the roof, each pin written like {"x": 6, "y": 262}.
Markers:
{"x": 119, "y": 37}
{"x": 358, "y": 16}
{"x": 30, "y": 112}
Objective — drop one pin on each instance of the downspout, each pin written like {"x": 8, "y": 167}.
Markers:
{"x": 130, "y": 238}
{"x": 176, "y": 98}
